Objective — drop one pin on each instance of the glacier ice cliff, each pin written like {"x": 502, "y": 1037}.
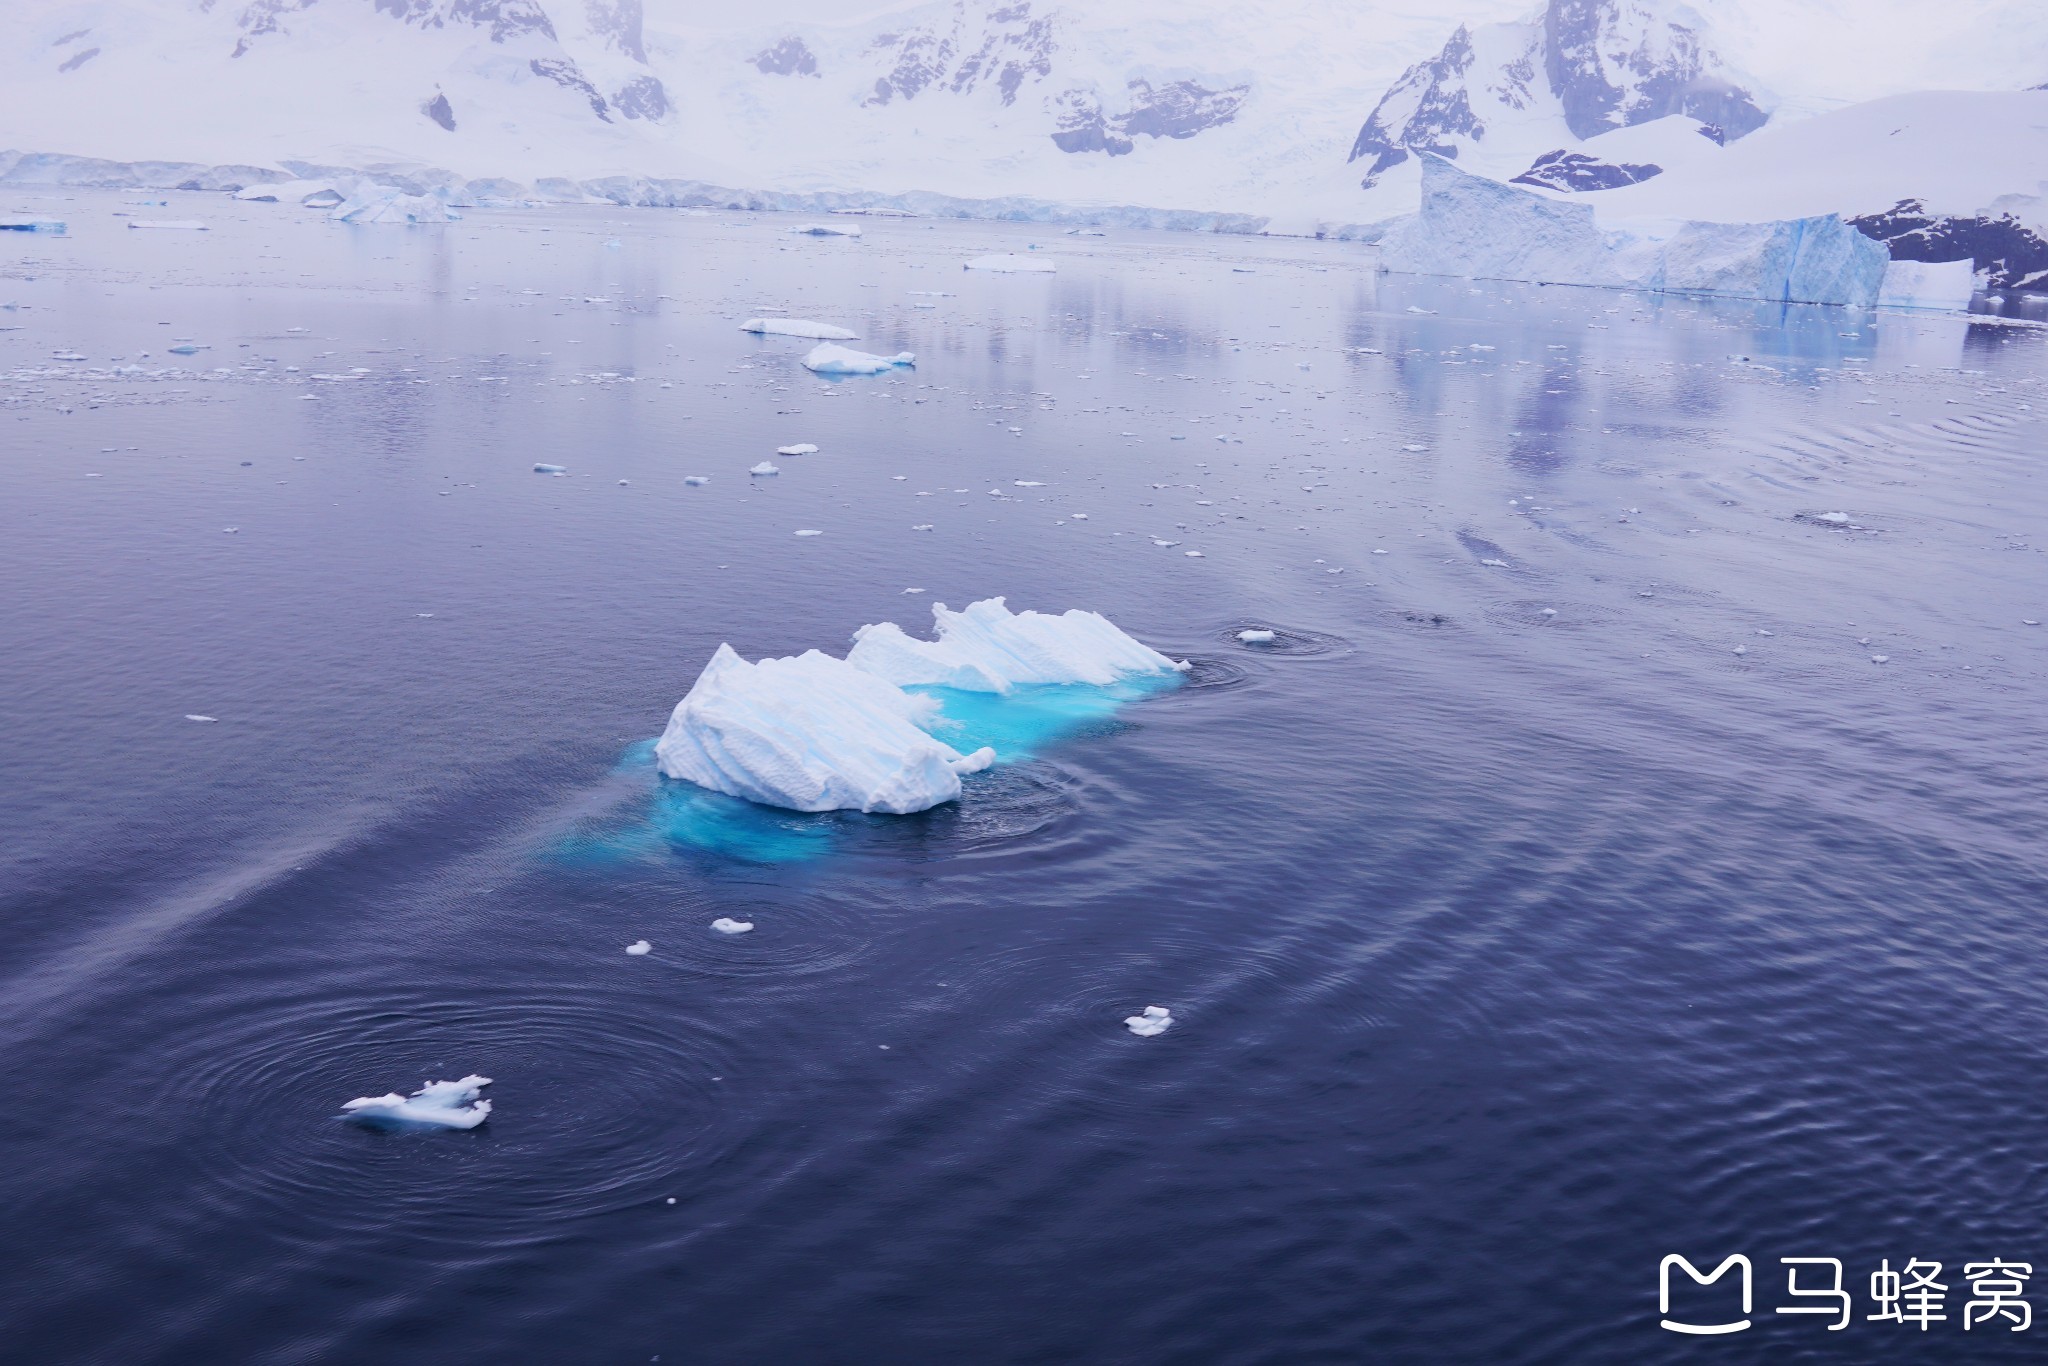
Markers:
{"x": 1474, "y": 227}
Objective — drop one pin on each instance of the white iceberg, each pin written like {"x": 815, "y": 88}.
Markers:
{"x": 764, "y": 468}
{"x": 1476, "y": 228}
{"x": 1929, "y": 284}
{"x": 811, "y": 733}
{"x": 436, "y": 1105}
{"x": 1154, "y": 1020}
{"x": 1010, "y": 263}
{"x": 988, "y": 648}
{"x": 389, "y": 204}
{"x": 827, "y": 230}
{"x": 725, "y": 924}
{"x": 1256, "y": 636}
{"x": 797, "y": 327}
{"x": 800, "y": 448}
{"x": 639, "y": 948}
{"x": 829, "y": 359}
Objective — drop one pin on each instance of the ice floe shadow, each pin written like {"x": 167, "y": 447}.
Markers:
{"x": 662, "y": 818}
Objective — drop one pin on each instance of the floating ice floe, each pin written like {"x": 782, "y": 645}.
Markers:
{"x": 797, "y": 327}
{"x": 54, "y": 227}
{"x": 1153, "y": 1020}
{"x": 815, "y": 733}
{"x": 171, "y": 224}
{"x": 639, "y": 947}
{"x": 1478, "y": 228}
{"x": 1010, "y": 263}
{"x": 830, "y": 359}
{"x": 826, "y": 230}
{"x": 1256, "y": 637}
{"x": 800, "y": 448}
{"x": 193, "y": 716}
{"x": 436, "y": 1105}
{"x": 727, "y": 925}
{"x": 810, "y": 533}
{"x": 988, "y": 648}
{"x": 696, "y": 479}
{"x": 764, "y": 468}
{"x": 550, "y": 469}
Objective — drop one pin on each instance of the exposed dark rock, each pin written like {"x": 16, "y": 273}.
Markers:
{"x": 1010, "y": 48}
{"x": 1178, "y": 109}
{"x": 1427, "y": 108}
{"x": 790, "y": 57}
{"x": 78, "y": 59}
{"x": 569, "y": 76}
{"x": 440, "y": 111}
{"x": 2015, "y": 256}
{"x": 643, "y": 97}
{"x": 1579, "y": 171}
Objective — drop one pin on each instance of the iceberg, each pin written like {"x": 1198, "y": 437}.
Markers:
{"x": 827, "y": 230}
{"x": 312, "y": 194}
{"x": 811, "y": 733}
{"x": 829, "y": 359}
{"x": 1473, "y": 227}
{"x": 49, "y": 225}
{"x": 1155, "y": 1020}
{"x": 988, "y": 648}
{"x": 389, "y": 204}
{"x": 436, "y": 1105}
{"x": 800, "y": 448}
{"x": 797, "y": 327}
{"x": 1010, "y": 263}
{"x": 1929, "y": 284}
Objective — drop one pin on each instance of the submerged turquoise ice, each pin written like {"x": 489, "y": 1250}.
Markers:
{"x": 666, "y": 817}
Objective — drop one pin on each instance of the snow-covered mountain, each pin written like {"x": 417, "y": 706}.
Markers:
{"x": 1269, "y": 110}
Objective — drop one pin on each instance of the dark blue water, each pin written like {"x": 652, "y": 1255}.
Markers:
{"x": 1517, "y": 930}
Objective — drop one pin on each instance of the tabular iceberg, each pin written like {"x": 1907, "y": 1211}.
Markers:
{"x": 811, "y": 733}
{"x": 829, "y": 359}
{"x": 816, "y": 733}
{"x": 436, "y": 1105}
{"x": 1929, "y": 284}
{"x": 988, "y": 648}
{"x": 797, "y": 327}
{"x": 1475, "y": 227}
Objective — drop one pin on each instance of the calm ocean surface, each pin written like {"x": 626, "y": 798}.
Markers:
{"x": 1569, "y": 885}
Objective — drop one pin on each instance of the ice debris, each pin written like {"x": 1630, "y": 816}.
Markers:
{"x": 797, "y": 327}
{"x": 550, "y": 469}
{"x": 173, "y": 224}
{"x": 1154, "y": 1020}
{"x": 800, "y": 448}
{"x": 1256, "y": 637}
{"x": 827, "y": 230}
{"x": 436, "y": 1105}
{"x": 764, "y": 468}
{"x": 727, "y": 925}
{"x": 696, "y": 479}
{"x": 639, "y": 947}
{"x": 830, "y": 359}
{"x": 54, "y": 227}
{"x": 1010, "y": 263}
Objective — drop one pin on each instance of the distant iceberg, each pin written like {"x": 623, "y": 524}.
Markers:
{"x": 1929, "y": 284}
{"x": 1478, "y": 228}
{"x": 828, "y": 359}
{"x": 388, "y": 204}
{"x": 827, "y": 230}
{"x": 312, "y": 194}
{"x": 815, "y": 733}
{"x": 1011, "y": 263}
{"x": 797, "y": 327}
{"x": 436, "y": 1105}
{"x": 988, "y": 648}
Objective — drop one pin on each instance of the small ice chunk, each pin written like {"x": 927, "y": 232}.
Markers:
{"x": 436, "y": 1105}
{"x": 1880, "y": 659}
{"x": 695, "y": 479}
{"x": 798, "y": 327}
{"x": 191, "y": 716}
{"x": 801, "y": 448}
{"x": 1010, "y": 263}
{"x": 1497, "y": 564}
{"x": 550, "y": 469}
{"x": 638, "y": 947}
{"x": 810, "y": 533}
{"x": 1154, "y": 1020}
{"x": 1256, "y": 637}
{"x": 177, "y": 224}
{"x": 764, "y": 468}
{"x": 727, "y": 925}
{"x": 826, "y": 230}
{"x": 827, "y": 358}
{"x": 1833, "y": 518}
